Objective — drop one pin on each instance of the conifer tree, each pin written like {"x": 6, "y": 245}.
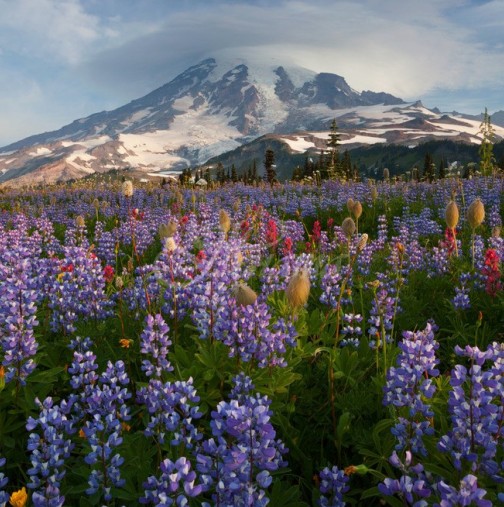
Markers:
{"x": 442, "y": 168}
{"x": 346, "y": 166}
{"x": 429, "y": 167}
{"x": 269, "y": 166}
{"x": 332, "y": 146}
{"x": 486, "y": 148}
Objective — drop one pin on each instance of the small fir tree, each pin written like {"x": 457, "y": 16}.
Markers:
{"x": 486, "y": 148}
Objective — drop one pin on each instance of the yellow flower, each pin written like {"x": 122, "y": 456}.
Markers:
{"x": 19, "y": 498}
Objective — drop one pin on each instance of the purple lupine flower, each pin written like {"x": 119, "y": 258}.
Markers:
{"x": 277, "y": 278}
{"x": 250, "y": 334}
{"x": 49, "y": 448}
{"x": 154, "y": 344}
{"x": 238, "y": 460}
{"x": 476, "y": 413}
{"x": 101, "y": 406}
{"x": 467, "y": 494}
{"x": 176, "y": 483}
{"x": 333, "y": 484}
{"x": 409, "y": 384}
{"x": 77, "y": 291}
{"x": 173, "y": 409}
{"x": 412, "y": 486}
{"x": 381, "y": 316}
{"x": 351, "y": 330}
{"x": 335, "y": 284}
{"x": 4, "y": 496}
{"x": 18, "y": 295}
{"x": 107, "y": 408}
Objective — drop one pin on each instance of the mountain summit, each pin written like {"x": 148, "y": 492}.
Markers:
{"x": 210, "y": 108}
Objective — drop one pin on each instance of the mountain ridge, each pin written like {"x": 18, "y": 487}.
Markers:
{"x": 213, "y": 107}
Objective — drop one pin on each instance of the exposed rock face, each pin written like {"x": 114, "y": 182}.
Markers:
{"x": 211, "y": 108}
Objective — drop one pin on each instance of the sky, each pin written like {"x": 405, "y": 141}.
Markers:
{"x": 61, "y": 60}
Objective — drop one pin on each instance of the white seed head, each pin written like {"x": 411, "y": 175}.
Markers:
{"x": 170, "y": 244}
{"x": 127, "y": 188}
{"x": 362, "y": 242}
{"x": 224, "y": 221}
{"x": 298, "y": 289}
{"x": 348, "y": 226}
{"x": 475, "y": 213}
{"x": 452, "y": 215}
{"x": 357, "y": 209}
{"x": 244, "y": 295}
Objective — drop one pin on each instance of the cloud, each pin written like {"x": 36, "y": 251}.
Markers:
{"x": 77, "y": 57}
{"x": 402, "y": 48}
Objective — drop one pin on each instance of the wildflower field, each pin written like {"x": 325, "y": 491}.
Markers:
{"x": 296, "y": 345}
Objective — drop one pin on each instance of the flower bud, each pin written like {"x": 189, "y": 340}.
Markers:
{"x": 496, "y": 231}
{"x": 475, "y": 213}
{"x": 374, "y": 193}
{"x": 386, "y": 174}
{"x": 362, "y": 242}
{"x": 170, "y": 244}
{"x": 452, "y": 215}
{"x": 119, "y": 282}
{"x": 127, "y": 188}
{"x": 357, "y": 209}
{"x": 350, "y": 204}
{"x": 239, "y": 258}
{"x": 244, "y": 295}
{"x": 298, "y": 289}
{"x": 348, "y": 227}
{"x": 79, "y": 221}
{"x": 167, "y": 230}
{"x": 224, "y": 221}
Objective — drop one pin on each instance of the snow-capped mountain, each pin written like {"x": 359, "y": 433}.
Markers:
{"x": 219, "y": 105}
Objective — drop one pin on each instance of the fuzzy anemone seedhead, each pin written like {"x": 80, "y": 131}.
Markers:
{"x": 298, "y": 289}
{"x": 348, "y": 226}
{"x": 350, "y": 204}
{"x": 476, "y": 213}
{"x": 244, "y": 295}
{"x": 224, "y": 221}
{"x": 357, "y": 209}
{"x": 452, "y": 215}
{"x": 362, "y": 242}
{"x": 127, "y": 188}
{"x": 170, "y": 244}
{"x": 167, "y": 230}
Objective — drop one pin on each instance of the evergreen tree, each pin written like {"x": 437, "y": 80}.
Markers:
{"x": 322, "y": 165}
{"x": 297, "y": 174}
{"x": 332, "y": 146}
{"x": 486, "y": 148}
{"x": 442, "y": 168}
{"x": 269, "y": 166}
{"x": 234, "y": 174}
{"x": 254, "y": 171}
{"x": 346, "y": 166}
{"x": 308, "y": 168}
{"x": 429, "y": 168}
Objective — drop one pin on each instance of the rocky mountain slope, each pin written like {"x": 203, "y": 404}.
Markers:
{"x": 217, "y": 106}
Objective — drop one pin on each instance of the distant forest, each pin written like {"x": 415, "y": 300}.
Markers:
{"x": 363, "y": 162}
